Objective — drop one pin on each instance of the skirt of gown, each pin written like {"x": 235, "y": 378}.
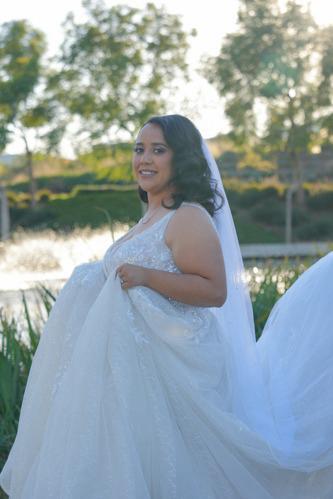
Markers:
{"x": 128, "y": 397}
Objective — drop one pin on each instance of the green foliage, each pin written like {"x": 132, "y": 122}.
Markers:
{"x": 38, "y": 217}
{"x": 259, "y": 213}
{"x": 321, "y": 201}
{"x": 44, "y": 195}
{"x": 271, "y": 186}
{"x": 15, "y": 362}
{"x": 267, "y": 285}
{"x": 22, "y": 108}
{"x": 250, "y": 158}
{"x": 80, "y": 208}
{"x": 300, "y": 216}
{"x": 21, "y": 48}
{"x": 267, "y": 60}
{"x": 85, "y": 200}
{"x": 254, "y": 195}
{"x": 269, "y": 212}
{"x": 269, "y": 63}
{"x": 111, "y": 162}
{"x": 317, "y": 229}
{"x": 18, "y": 199}
{"x": 114, "y": 66}
{"x": 57, "y": 184}
{"x": 249, "y": 231}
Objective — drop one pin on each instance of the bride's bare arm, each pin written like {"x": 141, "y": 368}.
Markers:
{"x": 197, "y": 253}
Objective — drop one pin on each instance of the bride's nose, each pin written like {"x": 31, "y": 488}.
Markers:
{"x": 146, "y": 158}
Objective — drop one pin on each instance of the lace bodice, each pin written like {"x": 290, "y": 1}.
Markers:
{"x": 147, "y": 248}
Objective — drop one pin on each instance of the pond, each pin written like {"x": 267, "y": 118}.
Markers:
{"x": 47, "y": 257}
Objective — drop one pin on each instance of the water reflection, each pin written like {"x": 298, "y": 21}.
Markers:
{"x": 47, "y": 257}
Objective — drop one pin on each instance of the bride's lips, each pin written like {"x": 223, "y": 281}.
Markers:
{"x": 145, "y": 173}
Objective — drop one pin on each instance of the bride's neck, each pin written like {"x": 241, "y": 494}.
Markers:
{"x": 155, "y": 202}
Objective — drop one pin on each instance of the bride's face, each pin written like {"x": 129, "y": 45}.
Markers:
{"x": 152, "y": 160}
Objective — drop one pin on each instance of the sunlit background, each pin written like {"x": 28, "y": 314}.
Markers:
{"x": 45, "y": 250}
{"x": 74, "y": 91}
{"x": 212, "y": 19}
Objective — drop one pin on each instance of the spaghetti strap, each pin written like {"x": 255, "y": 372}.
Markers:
{"x": 198, "y": 205}
{"x": 166, "y": 220}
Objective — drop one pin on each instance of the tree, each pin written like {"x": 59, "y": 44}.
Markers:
{"x": 268, "y": 74}
{"x": 23, "y": 105}
{"x": 325, "y": 87}
{"x": 116, "y": 67}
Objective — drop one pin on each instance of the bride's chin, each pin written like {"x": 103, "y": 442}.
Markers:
{"x": 148, "y": 186}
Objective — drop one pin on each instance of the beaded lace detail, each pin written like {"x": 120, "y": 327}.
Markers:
{"x": 149, "y": 249}
{"x": 146, "y": 248}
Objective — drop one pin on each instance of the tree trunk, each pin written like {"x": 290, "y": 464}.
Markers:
{"x": 289, "y": 213}
{"x": 4, "y": 215}
{"x": 32, "y": 180}
{"x": 298, "y": 178}
{"x": 30, "y": 170}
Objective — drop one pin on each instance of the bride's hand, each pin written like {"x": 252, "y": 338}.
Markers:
{"x": 131, "y": 275}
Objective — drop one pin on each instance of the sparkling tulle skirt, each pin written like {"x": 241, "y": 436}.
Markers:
{"x": 129, "y": 397}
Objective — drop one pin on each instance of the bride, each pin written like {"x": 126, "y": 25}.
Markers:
{"x": 147, "y": 382}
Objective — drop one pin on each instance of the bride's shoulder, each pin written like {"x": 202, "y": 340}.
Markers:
{"x": 188, "y": 219}
{"x": 189, "y": 211}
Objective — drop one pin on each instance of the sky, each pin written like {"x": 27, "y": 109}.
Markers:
{"x": 212, "y": 19}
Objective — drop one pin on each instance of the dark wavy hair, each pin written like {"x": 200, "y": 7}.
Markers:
{"x": 191, "y": 176}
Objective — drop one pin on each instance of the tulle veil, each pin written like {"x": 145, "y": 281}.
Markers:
{"x": 274, "y": 402}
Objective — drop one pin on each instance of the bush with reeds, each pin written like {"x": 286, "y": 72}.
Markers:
{"x": 268, "y": 284}
{"x": 16, "y": 357}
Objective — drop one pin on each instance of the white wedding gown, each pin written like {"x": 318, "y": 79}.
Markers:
{"x": 129, "y": 395}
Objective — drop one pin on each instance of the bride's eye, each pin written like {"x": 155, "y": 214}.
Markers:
{"x": 138, "y": 149}
{"x": 159, "y": 150}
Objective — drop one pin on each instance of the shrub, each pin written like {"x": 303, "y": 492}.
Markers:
{"x": 255, "y": 195}
{"x": 299, "y": 216}
{"x": 43, "y": 195}
{"x": 15, "y": 362}
{"x": 39, "y": 217}
{"x": 315, "y": 230}
{"x": 267, "y": 285}
{"x": 249, "y": 197}
{"x": 18, "y": 199}
{"x": 233, "y": 196}
{"x": 269, "y": 212}
{"x": 321, "y": 201}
